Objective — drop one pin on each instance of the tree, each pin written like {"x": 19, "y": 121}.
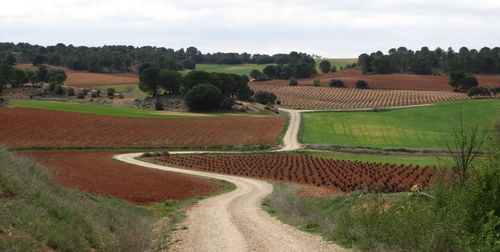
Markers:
{"x": 255, "y": 73}
{"x": 478, "y": 91}
{"x": 43, "y": 73}
{"x": 194, "y": 78}
{"x": 361, "y": 84}
{"x": 145, "y": 66}
{"x": 461, "y": 81}
{"x": 17, "y": 77}
{"x": 149, "y": 80}
{"x": 265, "y": 97}
{"x": 5, "y": 73}
{"x": 204, "y": 97}
{"x": 270, "y": 71}
{"x": 465, "y": 146}
{"x": 334, "y": 69}
{"x": 38, "y": 60}
{"x": 189, "y": 64}
{"x": 170, "y": 80}
{"x": 325, "y": 66}
{"x": 111, "y": 92}
{"x": 293, "y": 82}
{"x": 336, "y": 83}
{"x": 10, "y": 59}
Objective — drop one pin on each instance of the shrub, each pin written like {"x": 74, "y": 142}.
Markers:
{"x": 70, "y": 91}
{"x": 334, "y": 69}
{"x": 52, "y": 86}
{"x": 58, "y": 90}
{"x": 265, "y": 97}
{"x": 227, "y": 103}
{"x": 158, "y": 105}
{"x": 361, "y": 84}
{"x": 325, "y": 66}
{"x": 80, "y": 94}
{"x": 293, "y": 82}
{"x": 95, "y": 93}
{"x": 204, "y": 97}
{"x": 336, "y": 83}
{"x": 478, "y": 91}
{"x": 110, "y": 92}
{"x": 316, "y": 82}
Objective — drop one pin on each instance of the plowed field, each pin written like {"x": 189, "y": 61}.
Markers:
{"x": 23, "y": 127}
{"x": 390, "y": 81}
{"x": 309, "y": 97}
{"x": 95, "y": 172}
{"x": 87, "y": 79}
{"x": 338, "y": 175}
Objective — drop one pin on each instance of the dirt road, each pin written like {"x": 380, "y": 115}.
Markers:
{"x": 235, "y": 221}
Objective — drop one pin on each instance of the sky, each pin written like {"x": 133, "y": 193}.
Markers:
{"x": 328, "y": 28}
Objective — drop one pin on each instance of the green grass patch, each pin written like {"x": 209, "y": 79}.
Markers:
{"x": 379, "y": 158}
{"x": 241, "y": 69}
{"x": 106, "y": 110}
{"x": 418, "y": 128}
{"x": 130, "y": 90}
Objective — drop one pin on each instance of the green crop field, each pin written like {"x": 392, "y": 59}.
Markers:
{"x": 107, "y": 110}
{"x": 422, "y": 128}
{"x": 241, "y": 69}
{"x": 338, "y": 62}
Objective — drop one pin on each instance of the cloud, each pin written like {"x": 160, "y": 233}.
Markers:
{"x": 326, "y": 27}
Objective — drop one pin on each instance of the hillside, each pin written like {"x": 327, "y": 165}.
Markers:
{"x": 37, "y": 214}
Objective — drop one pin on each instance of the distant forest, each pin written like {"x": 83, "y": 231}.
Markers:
{"x": 129, "y": 58}
{"x": 425, "y": 61}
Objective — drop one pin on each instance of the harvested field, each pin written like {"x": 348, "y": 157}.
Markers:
{"x": 337, "y": 175}
{"x": 309, "y": 97}
{"x": 389, "y": 81}
{"x": 97, "y": 173}
{"x": 87, "y": 79}
{"x": 24, "y": 127}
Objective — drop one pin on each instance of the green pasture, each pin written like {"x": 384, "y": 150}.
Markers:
{"x": 426, "y": 127}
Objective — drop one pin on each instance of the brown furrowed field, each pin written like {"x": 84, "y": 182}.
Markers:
{"x": 24, "y": 128}
{"x": 97, "y": 173}
{"x": 310, "y": 97}
{"x": 337, "y": 175}
{"x": 87, "y": 79}
{"x": 389, "y": 81}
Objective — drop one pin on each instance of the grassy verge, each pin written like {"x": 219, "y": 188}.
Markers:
{"x": 377, "y": 158}
{"x": 130, "y": 90}
{"x": 412, "y": 128}
{"x": 37, "y": 214}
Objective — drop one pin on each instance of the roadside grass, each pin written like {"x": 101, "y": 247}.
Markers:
{"x": 451, "y": 216}
{"x": 240, "y": 69}
{"x": 37, "y": 214}
{"x": 417, "y": 128}
{"x": 340, "y": 62}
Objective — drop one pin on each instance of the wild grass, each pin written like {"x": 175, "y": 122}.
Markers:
{"x": 37, "y": 214}
{"x": 455, "y": 217}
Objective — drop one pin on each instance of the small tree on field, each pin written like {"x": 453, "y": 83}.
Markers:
{"x": 334, "y": 69}
{"x": 325, "y": 66}
{"x": 111, "y": 92}
{"x": 361, "y": 84}
{"x": 254, "y": 73}
{"x": 264, "y": 97}
{"x": 170, "y": 80}
{"x": 17, "y": 77}
{"x": 270, "y": 71}
{"x": 293, "y": 82}
{"x": 149, "y": 81}
{"x": 478, "y": 91}
{"x": 316, "y": 82}
{"x": 336, "y": 83}
{"x": 204, "y": 97}
{"x": 464, "y": 147}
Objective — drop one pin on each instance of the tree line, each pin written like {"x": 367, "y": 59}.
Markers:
{"x": 426, "y": 61}
{"x": 121, "y": 58}
{"x": 297, "y": 65}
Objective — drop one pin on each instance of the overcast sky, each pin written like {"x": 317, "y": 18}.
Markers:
{"x": 329, "y": 28}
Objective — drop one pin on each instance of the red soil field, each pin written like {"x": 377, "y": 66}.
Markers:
{"x": 336, "y": 175}
{"x": 389, "y": 81}
{"x": 87, "y": 79}
{"x": 309, "y": 97}
{"x": 95, "y": 172}
{"x": 24, "y": 127}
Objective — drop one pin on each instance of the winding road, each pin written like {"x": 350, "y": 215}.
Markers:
{"x": 235, "y": 221}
